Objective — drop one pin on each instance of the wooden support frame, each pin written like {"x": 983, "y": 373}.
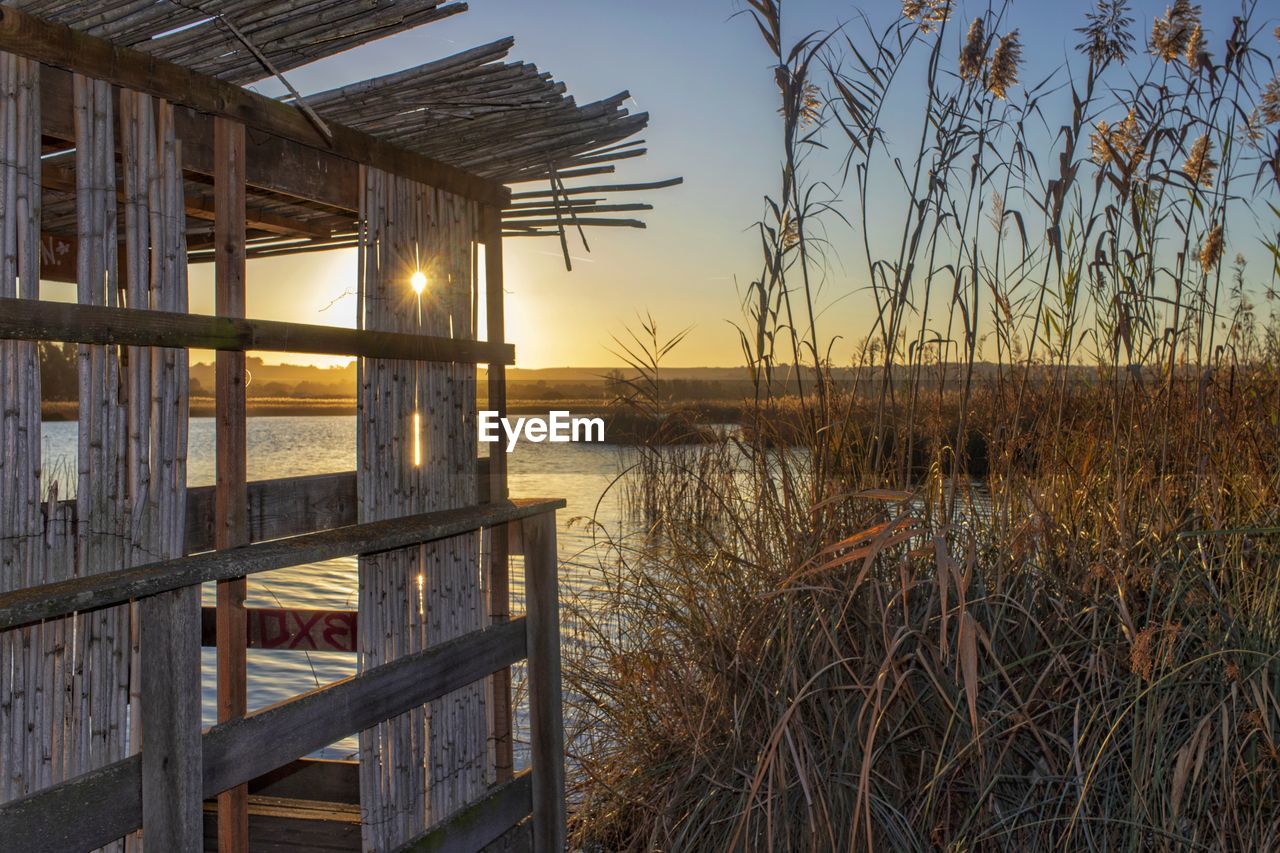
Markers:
{"x": 286, "y": 506}
{"x": 272, "y": 163}
{"x": 499, "y": 550}
{"x": 53, "y": 177}
{"x": 165, "y": 784}
{"x": 231, "y": 505}
{"x": 105, "y": 804}
{"x": 171, "y": 759}
{"x": 38, "y": 320}
{"x": 546, "y": 701}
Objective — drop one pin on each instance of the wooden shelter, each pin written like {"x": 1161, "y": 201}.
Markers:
{"x": 128, "y": 148}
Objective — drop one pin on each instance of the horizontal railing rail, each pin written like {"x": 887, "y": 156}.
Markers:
{"x": 282, "y": 506}
{"x": 92, "y": 592}
{"x": 41, "y": 320}
{"x": 475, "y": 825}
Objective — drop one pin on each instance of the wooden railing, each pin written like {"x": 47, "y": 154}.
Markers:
{"x": 161, "y": 789}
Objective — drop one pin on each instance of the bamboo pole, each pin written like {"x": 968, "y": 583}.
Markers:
{"x": 170, "y": 638}
{"x": 28, "y": 656}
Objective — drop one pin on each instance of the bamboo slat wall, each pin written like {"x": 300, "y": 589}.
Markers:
{"x": 65, "y": 685}
{"x": 416, "y": 453}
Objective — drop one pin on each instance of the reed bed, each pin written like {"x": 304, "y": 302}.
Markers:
{"x": 1014, "y": 585}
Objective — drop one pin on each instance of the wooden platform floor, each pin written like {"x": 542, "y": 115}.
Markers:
{"x": 314, "y": 805}
{"x": 278, "y": 824}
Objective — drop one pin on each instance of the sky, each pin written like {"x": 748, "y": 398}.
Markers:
{"x": 706, "y": 83}
{"x": 705, "y": 77}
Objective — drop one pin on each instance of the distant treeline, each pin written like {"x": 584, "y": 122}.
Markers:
{"x": 308, "y": 382}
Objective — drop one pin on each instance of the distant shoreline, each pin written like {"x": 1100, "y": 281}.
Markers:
{"x": 263, "y": 407}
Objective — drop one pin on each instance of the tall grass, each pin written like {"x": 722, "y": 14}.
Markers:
{"x": 1015, "y": 585}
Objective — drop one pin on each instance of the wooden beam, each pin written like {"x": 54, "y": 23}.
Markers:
{"x": 481, "y": 823}
{"x": 47, "y": 601}
{"x": 62, "y": 47}
{"x": 231, "y": 505}
{"x": 499, "y": 553}
{"x": 284, "y": 507}
{"x": 272, "y": 163}
{"x": 546, "y": 701}
{"x": 261, "y": 220}
{"x": 83, "y": 813}
{"x": 62, "y": 179}
{"x": 33, "y": 319}
{"x": 170, "y": 737}
{"x": 287, "y": 506}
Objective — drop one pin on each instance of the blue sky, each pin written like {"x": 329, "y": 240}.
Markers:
{"x": 705, "y": 78}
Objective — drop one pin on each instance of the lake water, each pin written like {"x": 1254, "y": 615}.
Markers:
{"x": 296, "y": 446}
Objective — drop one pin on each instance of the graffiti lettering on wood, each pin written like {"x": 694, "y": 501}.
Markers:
{"x": 279, "y": 628}
{"x": 57, "y": 258}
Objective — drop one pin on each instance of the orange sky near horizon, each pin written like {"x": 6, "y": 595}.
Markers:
{"x": 320, "y": 288}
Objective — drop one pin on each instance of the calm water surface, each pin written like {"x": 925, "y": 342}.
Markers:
{"x": 296, "y": 446}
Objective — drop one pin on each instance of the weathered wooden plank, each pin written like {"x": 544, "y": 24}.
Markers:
{"x": 287, "y": 506}
{"x": 171, "y": 758}
{"x": 288, "y": 628}
{"x": 31, "y": 319}
{"x": 81, "y": 814}
{"x": 62, "y": 47}
{"x": 546, "y": 714}
{"x": 55, "y": 177}
{"x": 243, "y": 749}
{"x": 105, "y": 804}
{"x": 281, "y": 507}
{"x": 25, "y": 606}
{"x": 279, "y": 825}
{"x": 231, "y": 506}
{"x": 499, "y": 550}
{"x": 331, "y": 780}
{"x": 518, "y": 839}
{"x": 480, "y": 823}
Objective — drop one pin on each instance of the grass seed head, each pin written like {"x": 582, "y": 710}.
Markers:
{"x": 1270, "y": 104}
{"x": 1171, "y": 34}
{"x": 929, "y": 14}
{"x": 1200, "y": 165}
{"x": 1003, "y": 73}
{"x": 1108, "y": 36}
{"x": 1211, "y": 250}
{"x": 974, "y": 54}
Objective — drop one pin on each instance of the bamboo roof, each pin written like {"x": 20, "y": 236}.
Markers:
{"x": 499, "y": 119}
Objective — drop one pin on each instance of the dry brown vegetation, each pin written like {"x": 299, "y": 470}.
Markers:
{"x": 843, "y": 634}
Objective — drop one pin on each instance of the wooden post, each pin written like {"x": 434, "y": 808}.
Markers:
{"x": 231, "y": 518}
{"x": 171, "y": 759}
{"x": 499, "y": 551}
{"x": 546, "y": 715}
